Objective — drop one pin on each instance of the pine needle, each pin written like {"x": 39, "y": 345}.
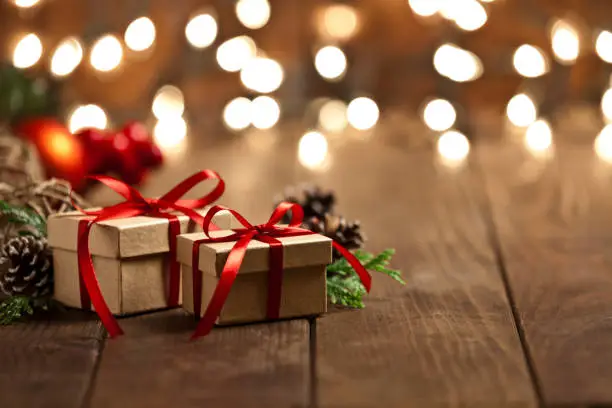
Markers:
{"x": 15, "y": 308}
{"x": 23, "y": 216}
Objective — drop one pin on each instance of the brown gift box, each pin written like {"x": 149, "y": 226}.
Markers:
{"x": 304, "y": 290}
{"x": 129, "y": 256}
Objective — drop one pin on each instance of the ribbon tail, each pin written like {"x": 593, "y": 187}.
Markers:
{"x": 88, "y": 276}
{"x": 174, "y": 281}
{"x": 363, "y": 274}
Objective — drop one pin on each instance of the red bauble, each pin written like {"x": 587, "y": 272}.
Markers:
{"x": 98, "y": 147}
{"x": 61, "y": 152}
{"x": 147, "y": 153}
{"x": 124, "y": 159}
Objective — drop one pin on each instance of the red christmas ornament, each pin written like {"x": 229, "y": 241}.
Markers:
{"x": 146, "y": 151}
{"x": 125, "y": 159}
{"x": 60, "y": 151}
{"x": 98, "y": 146}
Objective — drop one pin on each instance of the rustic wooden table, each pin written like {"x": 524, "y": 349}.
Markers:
{"x": 508, "y": 301}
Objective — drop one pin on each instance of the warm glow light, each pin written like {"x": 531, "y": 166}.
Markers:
{"x": 529, "y": 61}
{"x": 237, "y": 114}
{"x": 362, "y": 113}
{"x": 538, "y": 137}
{"x": 469, "y": 15}
{"x": 565, "y": 42}
{"x": 424, "y": 8}
{"x": 27, "y": 51}
{"x": 453, "y": 147}
{"x": 26, "y": 3}
{"x": 234, "y": 53}
{"x": 312, "y": 150}
{"x": 253, "y": 14}
{"x": 265, "y": 112}
{"x": 439, "y": 115}
{"x": 106, "y": 53}
{"x": 521, "y": 110}
{"x": 330, "y": 62}
{"x": 66, "y": 57}
{"x": 338, "y": 22}
{"x": 332, "y": 116}
{"x": 201, "y": 30}
{"x": 170, "y": 132}
{"x": 603, "y": 144}
{"x": 140, "y": 34}
{"x": 457, "y": 64}
{"x": 606, "y": 105}
{"x": 262, "y": 75}
{"x": 87, "y": 116}
{"x": 603, "y": 46}
{"x": 168, "y": 102}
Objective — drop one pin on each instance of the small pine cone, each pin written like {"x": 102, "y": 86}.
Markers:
{"x": 314, "y": 201}
{"x": 347, "y": 234}
{"x": 26, "y": 267}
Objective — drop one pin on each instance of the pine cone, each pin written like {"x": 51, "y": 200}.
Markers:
{"x": 314, "y": 201}
{"x": 26, "y": 267}
{"x": 347, "y": 234}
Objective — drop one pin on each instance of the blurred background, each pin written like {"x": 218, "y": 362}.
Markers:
{"x": 441, "y": 73}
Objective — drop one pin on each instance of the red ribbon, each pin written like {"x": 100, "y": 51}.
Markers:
{"x": 268, "y": 233}
{"x": 134, "y": 205}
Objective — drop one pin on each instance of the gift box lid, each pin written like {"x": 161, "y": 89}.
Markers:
{"x": 121, "y": 238}
{"x": 303, "y": 250}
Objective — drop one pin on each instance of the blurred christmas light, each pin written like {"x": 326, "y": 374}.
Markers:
{"x": 237, "y": 113}
{"x": 457, "y": 64}
{"x": 168, "y": 102}
{"x": 263, "y": 75}
{"x": 25, "y": 3}
{"x": 521, "y": 110}
{"x": 265, "y": 112}
{"x": 338, "y": 22}
{"x": 565, "y": 42}
{"x": 170, "y": 132}
{"x": 538, "y": 137}
{"x": 606, "y": 105}
{"x": 530, "y": 61}
{"x": 453, "y": 147}
{"x": 424, "y": 8}
{"x": 362, "y": 113}
{"x": 253, "y": 14}
{"x": 312, "y": 150}
{"x": 87, "y": 116}
{"x": 106, "y": 53}
{"x": 28, "y": 51}
{"x": 330, "y": 62}
{"x": 603, "y": 46}
{"x": 201, "y": 30}
{"x": 439, "y": 115}
{"x": 332, "y": 116}
{"x": 469, "y": 15}
{"x": 66, "y": 57}
{"x": 234, "y": 53}
{"x": 140, "y": 34}
{"x": 603, "y": 144}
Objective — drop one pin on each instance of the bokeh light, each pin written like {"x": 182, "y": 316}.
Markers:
{"x": 253, "y": 14}
{"x": 538, "y": 137}
{"x": 424, "y": 8}
{"x": 603, "y": 46}
{"x": 26, "y": 3}
{"x": 530, "y": 61}
{"x": 106, "y": 53}
{"x": 234, "y": 53}
{"x": 565, "y": 42}
{"x": 330, "y": 62}
{"x": 521, "y": 110}
{"x": 312, "y": 150}
{"x": 453, "y": 147}
{"x": 362, "y": 113}
{"x": 333, "y": 116}
{"x": 201, "y": 30}
{"x": 439, "y": 115}
{"x": 457, "y": 64}
{"x": 338, "y": 22}
{"x": 28, "y": 51}
{"x": 168, "y": 102}
{"x": 66, "y": 57}
{"x": 606, "y": 105}
{"x": 170, "y": 133}
{"x": 265, "y": 112}
{"x": 140, "y": 34}
{"x": 603, "y": 144}
{"x": 469, "y": 15}
{"x": 262, "y": 75}
{"x": 87, "y": 116}
{"x": 237, "y": 113}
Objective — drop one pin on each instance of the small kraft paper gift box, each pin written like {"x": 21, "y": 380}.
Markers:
{"x": 130, "y": 258}
{"x": 303, "y": 290}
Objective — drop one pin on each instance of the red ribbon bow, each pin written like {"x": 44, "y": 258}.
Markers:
{"x": 268, "y": 233}
{"x": 134, "y": 205}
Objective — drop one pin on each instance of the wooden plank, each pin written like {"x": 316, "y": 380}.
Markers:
{"x": 155, "y": 365}
{"x": 49, "y": 363}
{"x": 446, "y": 338}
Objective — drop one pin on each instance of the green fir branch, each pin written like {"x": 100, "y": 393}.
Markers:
{"x": 24, "y": 216}
{"x": 15, "y": 308}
